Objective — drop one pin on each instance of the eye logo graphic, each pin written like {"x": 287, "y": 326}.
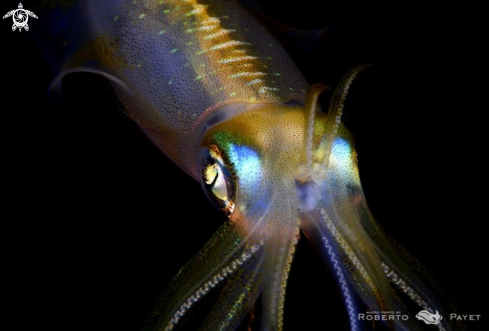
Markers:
{"x": 428, "y": 317}
{"x": 20, "y": 17}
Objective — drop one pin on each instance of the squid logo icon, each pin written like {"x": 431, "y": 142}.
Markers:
{"x": 20, "y": 17}
{"x": 428, "y": 317}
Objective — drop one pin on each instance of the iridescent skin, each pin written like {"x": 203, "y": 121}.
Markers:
{"x": 213, "y": 90}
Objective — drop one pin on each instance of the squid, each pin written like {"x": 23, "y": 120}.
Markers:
{"x": 220, "y": 97}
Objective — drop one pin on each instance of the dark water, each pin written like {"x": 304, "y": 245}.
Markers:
{"x": 96, "y": 220}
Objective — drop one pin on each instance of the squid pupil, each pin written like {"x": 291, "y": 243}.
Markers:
{"x": 211, "y": 174}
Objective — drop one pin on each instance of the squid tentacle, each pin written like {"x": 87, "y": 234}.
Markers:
{"x": 280, "y": 248}
{"x": 250, "y": 252}
{"x": 334, "y": 210}
{"x": 222, "y": 254}
{"x": 326, "y": 248}
{"x": 277, "y": 273}
{"x": 238, "y": 296}
{"x": 333, "y": 120}
{"x": 346, "y": 291}
{"x": 418, "y": 286}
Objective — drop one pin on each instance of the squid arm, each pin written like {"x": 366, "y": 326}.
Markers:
{"x": 372, "y": 271}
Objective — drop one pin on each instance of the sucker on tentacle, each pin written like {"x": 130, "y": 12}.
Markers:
{"x": 249, "y": 252}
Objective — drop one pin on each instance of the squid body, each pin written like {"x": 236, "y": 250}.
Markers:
{"x": 221, "y": 98}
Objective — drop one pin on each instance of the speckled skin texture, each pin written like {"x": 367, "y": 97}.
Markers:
{"x": 203, "y": 78}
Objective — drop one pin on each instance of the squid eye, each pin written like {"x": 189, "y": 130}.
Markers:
{"x": 217, "y": 181}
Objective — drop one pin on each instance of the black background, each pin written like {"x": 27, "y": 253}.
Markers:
{"x": 96, "y": 220}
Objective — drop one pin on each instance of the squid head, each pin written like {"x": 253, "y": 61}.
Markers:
{"x": 280, "y": 172}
